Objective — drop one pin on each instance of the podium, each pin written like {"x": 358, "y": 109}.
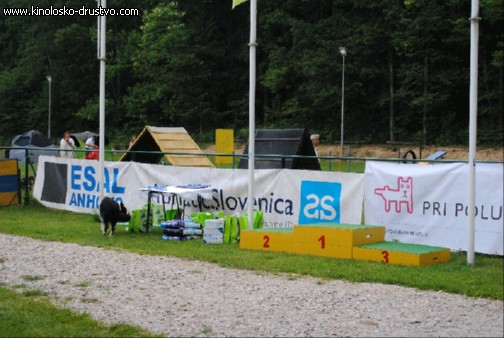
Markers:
{"x": 345, "y": 241}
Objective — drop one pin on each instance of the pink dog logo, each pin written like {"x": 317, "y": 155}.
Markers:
{"x": 403, "y": 194}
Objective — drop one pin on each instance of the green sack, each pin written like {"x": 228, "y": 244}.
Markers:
{"x": 235, "y": 230}
{"x": 242, "y": 223}
{"x": 226, "y": 238}
{"x": 258, "y": 220}
{"x": 200, "y": 217}
{"x": 137, "y": 221}
{"x": 134, "y": 223}
{"x": 174, "y": 214}
{"x": 157, "y": 216}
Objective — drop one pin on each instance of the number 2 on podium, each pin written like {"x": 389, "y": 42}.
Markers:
{"x": 266, "y": 242}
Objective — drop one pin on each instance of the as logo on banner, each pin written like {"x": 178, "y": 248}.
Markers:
{"x": 400, "y": 195}
{"x": 320, "y": 202}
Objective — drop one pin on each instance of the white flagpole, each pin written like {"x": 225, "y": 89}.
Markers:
{"x": 102, "y": 28}
{"x": 473, "y": 113}
{"x": 252, "y": 87}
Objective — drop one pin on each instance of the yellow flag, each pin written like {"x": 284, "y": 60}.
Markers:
{"x": 237, "y": 2}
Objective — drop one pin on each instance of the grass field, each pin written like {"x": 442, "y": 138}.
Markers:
{"x": 483, "y": 279}
{"x": 28, "y": 313}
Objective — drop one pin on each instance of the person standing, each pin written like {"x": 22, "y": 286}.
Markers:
{"x": 315, "y": 138}
{"x": 93, "y": 153}
{"x": 67, "y": 144}
{"x": 90, "y": 143}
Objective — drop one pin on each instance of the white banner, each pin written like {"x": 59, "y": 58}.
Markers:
{"x": 286, "y": 197}
{"x": 427, "y": 204}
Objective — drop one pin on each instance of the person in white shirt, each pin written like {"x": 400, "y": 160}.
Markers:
{"x": 67, "y": 143}
{"x": 90, "y": 143}
{"x": 315, "y": 138}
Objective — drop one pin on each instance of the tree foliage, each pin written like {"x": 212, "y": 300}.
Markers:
{"x": 185, "y": 63}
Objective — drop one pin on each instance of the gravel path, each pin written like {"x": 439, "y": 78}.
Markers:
{"x": 195, "y": 299}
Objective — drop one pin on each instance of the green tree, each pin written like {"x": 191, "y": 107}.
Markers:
{"x": 186, "y": 63}
{"x": 431, "y": 43}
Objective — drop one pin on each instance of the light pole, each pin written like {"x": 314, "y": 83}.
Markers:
{"x": 49, "y": 79}
{"x": 343, "y": 52}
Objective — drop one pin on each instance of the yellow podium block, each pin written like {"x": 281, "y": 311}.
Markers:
{"x": 328, "y": 240}
{"x": 349, "y": 241}
{"x": 401, "y": 253}
{"x": 334, "y": 239}
{"x": 271, "y": 239}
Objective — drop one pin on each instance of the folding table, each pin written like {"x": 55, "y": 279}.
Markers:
{"x": 188, "y": 192}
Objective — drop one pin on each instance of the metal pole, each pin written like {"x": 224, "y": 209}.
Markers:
{"x": 473, "y": 113}
{"x": 49, "y": 80}
{"x": 102, "y": 29}
{"x": 343, "y": 54}
{"x": 252, "y": 92}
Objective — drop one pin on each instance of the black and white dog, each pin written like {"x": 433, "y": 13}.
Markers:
{"x": 112, "y": 212}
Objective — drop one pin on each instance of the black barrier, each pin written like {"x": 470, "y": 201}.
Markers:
{"x": 281, "y": 145}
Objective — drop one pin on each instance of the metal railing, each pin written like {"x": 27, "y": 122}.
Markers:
{"x": 27, "y": 169}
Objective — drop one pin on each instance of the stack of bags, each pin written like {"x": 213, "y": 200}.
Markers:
{"x": 201, "y": 217}
{"x": 138, "y": 219}
{"x": 234, "y": 224}
{"x": 179, "y": 230}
